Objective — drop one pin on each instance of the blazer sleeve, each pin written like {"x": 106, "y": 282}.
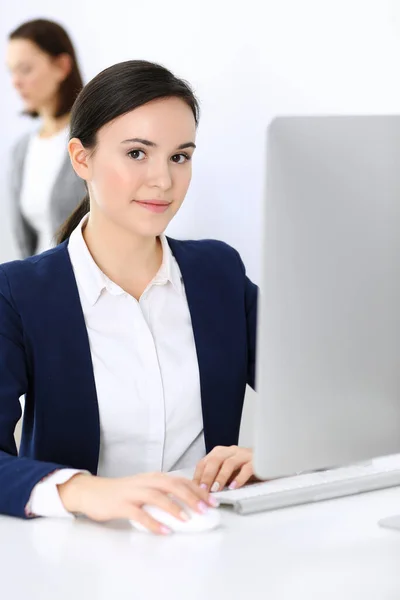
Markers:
{"x": 251, "y": 301}
{"x": 251, "y": 293}
{"x": 18, "y": 476}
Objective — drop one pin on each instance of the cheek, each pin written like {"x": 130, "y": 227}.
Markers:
{"x": 33, "y": 81}
{"x": 114, "y": 179}
{"x": 182, "y": 182}
{"x": 41, "y": 83}
{"x": 181, "y": 185}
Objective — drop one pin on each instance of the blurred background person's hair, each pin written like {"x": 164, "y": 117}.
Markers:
{"x": 43, "y": 186}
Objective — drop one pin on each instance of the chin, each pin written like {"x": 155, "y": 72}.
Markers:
{"x": 146, "y": 230}
{"x": 153, "y": 231}
{"x": 28, "y": 107}
{"x": 153, "y": 227}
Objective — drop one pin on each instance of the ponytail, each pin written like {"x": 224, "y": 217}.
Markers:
{"x": 73, "y": 221}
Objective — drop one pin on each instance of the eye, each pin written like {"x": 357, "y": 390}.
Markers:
{"x": 24, "y": 69}
{"x": 136, "y": 154}
{"x": 179, "y": 159}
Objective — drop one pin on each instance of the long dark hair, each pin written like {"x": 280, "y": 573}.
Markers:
{"x": 115, "y": 92}
{"x": 54, "y": 40}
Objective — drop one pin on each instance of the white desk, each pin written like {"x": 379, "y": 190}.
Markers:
{"x": 321, "y": 551}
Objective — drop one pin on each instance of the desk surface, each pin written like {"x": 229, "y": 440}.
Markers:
{"x": 328, "y": 550}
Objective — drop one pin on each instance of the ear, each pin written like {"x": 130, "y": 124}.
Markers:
{"x": 79, "y": 159}
{"x": 64, "y": 65}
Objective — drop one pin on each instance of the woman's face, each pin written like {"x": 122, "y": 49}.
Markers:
{"x": 35, "y": 75}
{"x": 140, "y": 170}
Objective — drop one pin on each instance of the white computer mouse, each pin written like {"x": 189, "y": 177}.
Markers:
{"x": 197, "y": 523}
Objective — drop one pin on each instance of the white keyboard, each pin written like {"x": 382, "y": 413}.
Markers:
{"x": 313, "y": 487}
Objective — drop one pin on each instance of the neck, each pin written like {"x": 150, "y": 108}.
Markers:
{"x": 52, "y": 125}
{"x": 129, "y": 261}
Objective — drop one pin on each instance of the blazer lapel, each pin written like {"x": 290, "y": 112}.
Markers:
{"x": 74, "y": 409}
{"x": 211, "y": 336}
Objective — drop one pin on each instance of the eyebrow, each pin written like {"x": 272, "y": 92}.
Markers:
{"x": 154, "y": 145}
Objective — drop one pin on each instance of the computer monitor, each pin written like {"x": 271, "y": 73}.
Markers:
{"x": 328, "y": 374}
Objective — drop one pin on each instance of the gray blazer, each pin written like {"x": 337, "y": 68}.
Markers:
{"x": 68, "y": 191}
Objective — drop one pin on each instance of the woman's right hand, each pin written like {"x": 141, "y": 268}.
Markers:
{"x": 103, "y": 499}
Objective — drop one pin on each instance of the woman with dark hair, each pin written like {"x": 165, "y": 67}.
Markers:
{"x": 44, "y": 187}
{"x": 133, "y": 349}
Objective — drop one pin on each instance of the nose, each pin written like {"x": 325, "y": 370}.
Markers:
{"x": 16, "y": 82}
{"x": 159, "y": 174}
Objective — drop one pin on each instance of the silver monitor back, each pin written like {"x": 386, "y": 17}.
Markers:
{"x": 328, "y": 376}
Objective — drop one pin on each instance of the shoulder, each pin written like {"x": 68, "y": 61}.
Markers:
{"x": 213, "y": 253}
{"x": 22, "y": 279}
{"x": 20, "y": 147}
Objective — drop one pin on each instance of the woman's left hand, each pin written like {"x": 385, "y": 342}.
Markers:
{"x": 225, "y": 465}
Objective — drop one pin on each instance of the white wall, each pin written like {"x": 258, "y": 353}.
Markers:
{"x": 248, "y": 62}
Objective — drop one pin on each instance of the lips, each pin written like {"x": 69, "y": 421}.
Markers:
{"x": 155, "y": 202}
{"x": 157, "y": 206}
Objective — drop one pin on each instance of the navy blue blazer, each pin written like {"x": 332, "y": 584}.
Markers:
{"x": 45, "y": 354}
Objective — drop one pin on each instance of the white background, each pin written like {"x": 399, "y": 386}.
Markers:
{"x": 248, "y": 62}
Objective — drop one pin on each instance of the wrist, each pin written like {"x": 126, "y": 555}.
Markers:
{"x": 71, "y": 491}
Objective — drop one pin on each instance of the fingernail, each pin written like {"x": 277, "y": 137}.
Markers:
{"x": 233, "y": 485}
{"x": 164, "y": 530}
{"x": 203, "y": 486}
{"x": 215, "y": 486}
{"x": 213, "y": 501}
{"x": 184, "y": 516}
{"x": 203, "y": 508}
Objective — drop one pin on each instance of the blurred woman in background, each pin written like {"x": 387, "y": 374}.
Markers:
{"x": 43, "y": 186}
